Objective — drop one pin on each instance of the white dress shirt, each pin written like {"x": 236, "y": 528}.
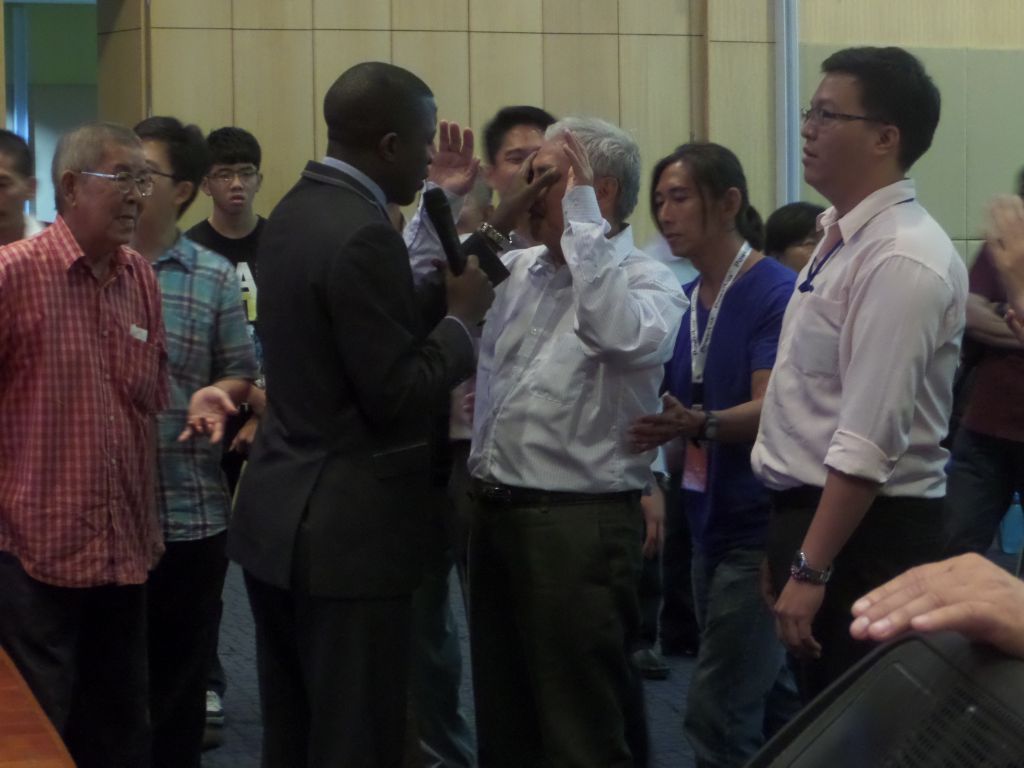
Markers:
{"x": 570, "y": 357}
{"x": 863, "y": 379}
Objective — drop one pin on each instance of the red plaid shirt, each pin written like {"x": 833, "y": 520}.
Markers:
{"x": 82, "y": 373}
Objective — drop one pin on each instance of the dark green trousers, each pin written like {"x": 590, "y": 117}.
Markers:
{"x": 554, "y": 612}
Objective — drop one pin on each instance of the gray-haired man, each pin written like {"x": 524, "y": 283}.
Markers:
{"x": 572, "y": 351}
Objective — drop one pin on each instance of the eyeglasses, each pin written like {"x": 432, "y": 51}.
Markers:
{"x": 822, "y": 116}
{"x": 244, "y": 175}
{"x": 126, "y": 181}
{"x": 170, "y": 176}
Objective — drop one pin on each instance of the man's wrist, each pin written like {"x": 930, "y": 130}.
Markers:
{"x": 801, "y": 570}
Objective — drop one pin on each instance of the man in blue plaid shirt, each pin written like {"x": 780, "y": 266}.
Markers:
{"x": 207, "y": 344}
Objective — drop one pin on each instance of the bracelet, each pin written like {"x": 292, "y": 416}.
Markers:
{"x": 503, "y": 242}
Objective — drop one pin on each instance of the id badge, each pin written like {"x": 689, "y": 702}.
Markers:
{"x": 695, "y": 467}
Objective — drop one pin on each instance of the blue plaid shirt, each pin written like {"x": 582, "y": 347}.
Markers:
{"x": 207, "y": 340}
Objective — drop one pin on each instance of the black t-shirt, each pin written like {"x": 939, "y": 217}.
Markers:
{"x": 242, "y": 253}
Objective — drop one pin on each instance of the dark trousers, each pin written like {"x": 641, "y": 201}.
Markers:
{"x": 82, "y": 652}
{"x": 983, "y": 474}
{"x": 333, "y": 677}
{"x": 678, "y": 626}
{"x": 183, "y": 605}
{"x": 897, "y": 533}
{"x": 553, "y": 616}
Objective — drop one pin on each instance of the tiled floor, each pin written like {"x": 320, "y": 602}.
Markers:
{"x": 241, "y": 748}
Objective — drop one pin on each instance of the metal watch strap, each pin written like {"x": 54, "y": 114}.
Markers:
{"x": 503, "y": 242}
{"x": 801, "y": 571}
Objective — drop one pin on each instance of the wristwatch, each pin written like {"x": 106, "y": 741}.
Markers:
{"x": 709, "y": 429}
{"x": 801, "y": 571}
{"x": 501, "y": 241}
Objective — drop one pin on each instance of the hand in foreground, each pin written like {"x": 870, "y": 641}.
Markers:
{"x": 581, "y": 174}
{"x": 208, "y": 409}
{"x": 243, "y": 440}
{"x": 454, "y": 168}
{"x": 967, "y": 594}
{"x": 675, "y": 420}
{"x": 470, "y": 294}
{"x": 794, "y": 615}
{"x": 522, "y": 194}
{"x": 1015, "y": 324}
{"x": 654, "y": 522}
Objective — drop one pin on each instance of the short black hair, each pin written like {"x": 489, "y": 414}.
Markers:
{"x": 186, "y": 150}
{"x": 371, "y": 100}
{"x": 714, "y": 169}
{"x": 233, "y": 146}
{"x": 789, "y": 225}
{"x": 895, "y": 89}
{"x": 16, "y": 148}
{"x": 507, "y": 118}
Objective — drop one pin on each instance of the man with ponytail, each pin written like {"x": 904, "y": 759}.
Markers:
{"x": 741, "y": 690}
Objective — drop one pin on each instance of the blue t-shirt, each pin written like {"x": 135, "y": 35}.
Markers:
{"x": 733, "y": 512}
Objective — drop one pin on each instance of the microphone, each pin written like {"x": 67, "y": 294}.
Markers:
{"x": 440, "y": 213}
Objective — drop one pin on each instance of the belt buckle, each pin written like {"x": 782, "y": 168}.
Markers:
{"x": 497, "y": 494}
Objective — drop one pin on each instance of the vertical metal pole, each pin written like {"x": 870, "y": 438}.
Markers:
{"x": 787, "y": 101}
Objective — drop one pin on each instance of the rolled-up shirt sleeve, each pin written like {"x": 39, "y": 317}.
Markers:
{"x": 626, "y": 312}
{"x": 898, "y": 314}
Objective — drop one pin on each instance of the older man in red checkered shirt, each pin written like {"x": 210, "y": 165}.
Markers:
{"x": 82, "y": 374}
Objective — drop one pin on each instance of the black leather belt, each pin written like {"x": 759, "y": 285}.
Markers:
{"x": 800, "y": 497}
{"x": 509, "y": 495}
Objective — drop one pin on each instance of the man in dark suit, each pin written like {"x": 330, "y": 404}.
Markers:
{"x": 327, "y": 526}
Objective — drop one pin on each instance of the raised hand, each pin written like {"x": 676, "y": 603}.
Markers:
{"x": 581, "y": 174}
{"x": 454, "y": 168}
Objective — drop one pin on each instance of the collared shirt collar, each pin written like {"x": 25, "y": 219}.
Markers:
{"x": 886, "y": 197}
{"x": 359, "y": 176}
{"x": 182, "y": 251}
{"x": 70, "y": 252}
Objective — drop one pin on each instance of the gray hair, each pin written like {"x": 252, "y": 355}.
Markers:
{"x": 612, "y": 152}
{"x": 83, "y": 148}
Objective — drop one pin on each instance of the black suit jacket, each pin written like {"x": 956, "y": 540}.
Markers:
{"x": 353, "y": 376}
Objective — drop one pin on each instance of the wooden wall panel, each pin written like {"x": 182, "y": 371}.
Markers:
{"x": 742, "y": 21}
{"x": 655, "y": 82}
{"x": 197, "y": 14}
{"x": 504, "y": 16}
{"x": 490, "y": 86}
{"x": 656, "y": 17}
{"x": 121, "y": 80}
{"x": 181, "y": 58}
{"x": 581, "y": 16}
{"x": 351, "y": 14}
{"x": 438, "y": 15}
{"x": 439, "y": 58}
{"x": 273, "y": 97}
{"x": 272, "y": 14}
{"x": 334, "y": 51}
{"x": 118, "y": 15}
{"x": 742, "y": 112}
{"x": 566, "y": 90}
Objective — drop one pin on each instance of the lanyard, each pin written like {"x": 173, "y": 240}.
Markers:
{"x": 807, "y": 286}
{"x": 699, "y": 344}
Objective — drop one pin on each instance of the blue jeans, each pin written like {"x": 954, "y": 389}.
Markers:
{"x": 983, "y": 474}
{"x": 742, "y": 690}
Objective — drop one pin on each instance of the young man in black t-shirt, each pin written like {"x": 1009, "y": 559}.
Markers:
{"x": 233, "y": 230}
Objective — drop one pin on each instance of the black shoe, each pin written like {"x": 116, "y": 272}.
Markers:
{"x": 650, "y": 664}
